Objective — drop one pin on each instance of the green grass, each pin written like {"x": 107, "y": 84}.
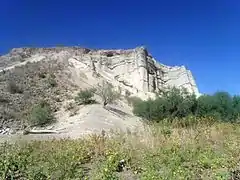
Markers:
{"x": 162, "y": 152}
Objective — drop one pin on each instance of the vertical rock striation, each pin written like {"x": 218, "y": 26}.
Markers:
{"x": 132, "y": 69}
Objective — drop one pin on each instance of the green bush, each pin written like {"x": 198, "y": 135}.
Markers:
{"x": 85, "y": 96}
{"x": 219, "y": 105}
{"x": 133, "y": 100}
{"x": 143, "y": 109}
{"x": 178, "y": 103}
{"x": 41, "y": 114}
{"x": 108, "y": 94}
{"x": 236, "y": 108}
{"x": 174, "y": 103}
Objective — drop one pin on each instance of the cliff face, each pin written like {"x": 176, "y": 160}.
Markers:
{"x": 30, "y": 75}
{"x": 133, "y": 70}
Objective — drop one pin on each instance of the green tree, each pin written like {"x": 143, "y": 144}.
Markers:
{"x": 179, "y": 103}
{"x": 205, "y": 105}
{"x": 236, "y": 107}
{"x": 107, "y": 93}
{"x": 223, "y": 105}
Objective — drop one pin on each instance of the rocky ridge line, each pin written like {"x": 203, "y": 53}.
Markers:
{"x": 132, "y": 69}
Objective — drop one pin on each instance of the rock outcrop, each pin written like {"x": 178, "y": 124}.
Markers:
{"x": 134, "y": 70}
{"x": 30, "y": 75}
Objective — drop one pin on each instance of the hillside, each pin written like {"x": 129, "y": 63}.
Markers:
{"x": 55, "y": 75}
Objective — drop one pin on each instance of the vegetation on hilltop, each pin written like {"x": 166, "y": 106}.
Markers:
{"x": 23, "y": 87}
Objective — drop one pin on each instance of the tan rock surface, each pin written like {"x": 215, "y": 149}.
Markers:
{"x": 132, "y": 69}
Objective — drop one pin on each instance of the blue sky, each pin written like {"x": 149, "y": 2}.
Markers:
{"x": 203, "y": 35}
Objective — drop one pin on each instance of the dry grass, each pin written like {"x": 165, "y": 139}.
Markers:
{"x": 161, "y": 152}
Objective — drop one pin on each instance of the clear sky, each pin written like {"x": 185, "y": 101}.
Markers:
{"x": 203, "y": 35}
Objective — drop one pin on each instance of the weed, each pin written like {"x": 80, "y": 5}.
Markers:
{"x": 41, "y": 114}
{"x": 85, "y": 96}
{"x": 161, "y": 152}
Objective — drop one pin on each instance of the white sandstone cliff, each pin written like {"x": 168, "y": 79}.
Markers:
{"x": 133, "y": 69}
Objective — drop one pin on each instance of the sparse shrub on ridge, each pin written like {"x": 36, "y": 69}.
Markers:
{"x": 51, "y": 80}
{"x": 85, "y": 96}
{"x": 42, "y": 75}
{"x": 107, "y": 93}
{"x": 41, "y": 114}
{"x": 70, "y": 106}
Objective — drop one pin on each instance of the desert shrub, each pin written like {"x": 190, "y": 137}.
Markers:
{"x": 41, "y": 114}
{"x": 85, "y": 96}
{"x": 42, "y": 75}
{"x": 107, "y": 93}
{"x": 127, "y": 93}
{"x": 177, "y": 103}
{"x": 3, "y": 99}
{"x": 70, "y": 106}
{"x": 13, "y": 88}
{"x": 133, "y": 100}
{"x": 51, "y": 81}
